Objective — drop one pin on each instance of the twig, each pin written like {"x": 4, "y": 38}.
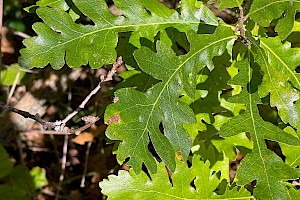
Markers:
{"x": 21, "y": 34}
{"x": 25, "y": 114}
{"x": 1, "y": 18}
{"x": 60, "y": 126}
{"x": 94, "y": 91}
{"x": 63, "y": 166}
{"x": 13, "y": 87}
{"x": 82, "y": 184}
{"x": 241, "y": 28}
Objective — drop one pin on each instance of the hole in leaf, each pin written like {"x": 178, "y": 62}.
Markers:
{"x": 148, "y": 43}
{"x": 180, "y": 44}
{"x": 250, "y": 186}
{"x": 109, "y": 2}
{"x": 152, "y": 151}
{"x": 113, "y": 8}
{"x": 144, "y": 168}
{"x": 268, "y": 113}
{"x": 169, "y": 175}
{"x": 161, "y": 128}
{"x": 126, "y": 49}
{"x": 148, "y": 11}
{"x": 274, "y": 146}
{"x": 82, "y": 18}
{"x": 221, "y": 188}
{"x": 192, "y": 183}
{"x": 206, "y": 29}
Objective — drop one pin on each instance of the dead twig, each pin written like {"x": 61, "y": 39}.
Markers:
{"x": 60, "y": 126}
{"x": 82, "y": 184}
{"x": 240, "y": 27}
{"x": 63, "y": 165}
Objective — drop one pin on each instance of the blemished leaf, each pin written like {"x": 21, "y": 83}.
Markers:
{"x": 129, "y": 185}
{"x": 5, "y": 164}
{"x": 140, "y": 114}
{"x": 261, "y": 164}
{"x": 191, "y": 96}
{"x": 278, "y": 62}
{"x": 62, "y": 41}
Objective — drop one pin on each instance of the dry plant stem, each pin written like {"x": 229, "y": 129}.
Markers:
{"x": 1, "y": 18}
{"x": 59, "y": 126}
{"x": 94, "y": 91}
{"x": 13, "y": 87}
{"x": 25, "y": 114}
{"x": 21, "y": 34}
{"x": 63, "y": 166}
{"x": 82, "y": 184}
{"x": 241, "y": 28}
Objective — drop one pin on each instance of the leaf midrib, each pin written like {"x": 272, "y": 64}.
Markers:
{"x": 267, "y": 5}
{"x": 126, "y": 26}
{"x": 171, "y": 76}
{"x": 182, "y": 198}
{"x": 254, "y": 127}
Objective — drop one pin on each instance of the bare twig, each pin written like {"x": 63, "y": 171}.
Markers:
{"x": 60, "y": 126}
{"x": 63, "y": 166}
{"x": 241, "y": 28}
{"x": 13, "y": 87}
{"x": 21, "y": 34}
{"x": 82, "y": 184}
{"x": 94, "y": 91}
{"x": 1, "y": 18}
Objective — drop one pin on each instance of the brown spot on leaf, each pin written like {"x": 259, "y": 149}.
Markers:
{"x": 179, "y": 155}
{"x": 114, "y": 119}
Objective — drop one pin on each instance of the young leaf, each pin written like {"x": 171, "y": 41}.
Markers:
{"x": 62, "y": 41}
{"x": 128, "y": 185}
{"x": 261, "y": 164}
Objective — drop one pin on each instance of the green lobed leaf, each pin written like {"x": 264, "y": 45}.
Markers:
{"x": 291, "y": 153}
{"x": 128, "y": 185}
{"x": 261, "y": 164}
{"x": 62, "y": 41}
{"x": 229, "y": 4}
{"x": 139, "y": 114}
{"x": 278, "y": 62}
{"x": 62, "y": 4}
{"x": 264, "y": 11}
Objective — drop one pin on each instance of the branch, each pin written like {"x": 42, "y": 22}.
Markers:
{"x": 60, "y": 126}
{"x": 241, "y": 28}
